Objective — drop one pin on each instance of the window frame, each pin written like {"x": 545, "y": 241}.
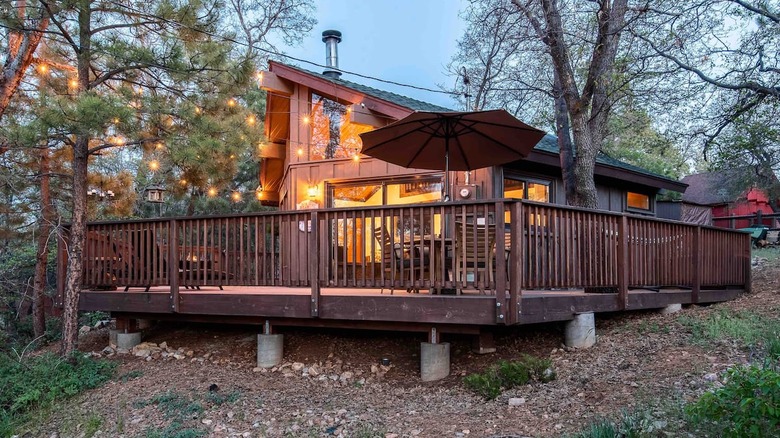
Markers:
{"x": 650, "y": 210}
{"x": 382, "y": 182}
{"x": 526, "y": 180}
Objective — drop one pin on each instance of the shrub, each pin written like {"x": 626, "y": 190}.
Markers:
{"x": 748, "y": 405}
{"x": 506, "y": 375}
{"x": 37, "y": 382}
{"x": 754, "y": 330}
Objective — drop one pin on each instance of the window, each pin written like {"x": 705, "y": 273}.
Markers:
{"x": 533, "y": 190}
{"x": 637, "y": 201}
{"x": 333, "y": 135}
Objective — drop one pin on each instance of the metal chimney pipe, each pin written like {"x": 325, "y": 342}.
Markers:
{"x": 331, "y": 38}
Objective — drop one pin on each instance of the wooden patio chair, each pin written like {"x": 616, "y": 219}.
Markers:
{"x": 397, "y": 256}
{"x": 471, "y": 255}
{"x": 138, "y": 251}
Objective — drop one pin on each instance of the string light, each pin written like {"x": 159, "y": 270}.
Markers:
{"x": 183, "y": 182}
{"x": 159, "y": 145}
{"x": 306, "y": 119}
{"x": 197, "y": 110}
{"x": 73, "y": 83}
{"x": 154, "y": 165}
{"x": 300, "y": 151}
{"x": 212, "y": 192}
{"x": 43, "y": 69}
{"x": 116, "y": 120}
{"x": 231, "y": 102}
{"x": 251, "y": 120}
{"x": 236, "y": 196}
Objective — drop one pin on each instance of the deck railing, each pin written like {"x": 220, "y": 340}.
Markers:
{"x": 494, "y": 247}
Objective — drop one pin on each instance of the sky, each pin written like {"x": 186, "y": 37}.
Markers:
{"x": 406, "y": 41}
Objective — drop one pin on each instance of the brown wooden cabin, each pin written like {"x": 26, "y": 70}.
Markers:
{"x": 353, "y": 234}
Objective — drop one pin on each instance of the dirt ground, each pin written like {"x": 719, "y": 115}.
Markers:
{"x": 640, "y": 358}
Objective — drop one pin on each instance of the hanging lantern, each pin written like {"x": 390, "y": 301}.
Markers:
{"x": 155, "y": 194}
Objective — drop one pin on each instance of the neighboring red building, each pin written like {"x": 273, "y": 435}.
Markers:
{"x": 721, "y": 192}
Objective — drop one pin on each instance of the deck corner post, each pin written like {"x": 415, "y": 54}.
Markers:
{"x": 623, "y": 262}
{"x": 515, "y": 260}
{"x": 173, "y": 263}
{"x": 696, "y": 265}
{"x": 502, "y": 315}
{"x": 314, "y": 264}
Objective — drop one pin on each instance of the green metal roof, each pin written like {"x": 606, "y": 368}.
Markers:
{"x": 404, "y": 101}
{"x": 549, "y": 143}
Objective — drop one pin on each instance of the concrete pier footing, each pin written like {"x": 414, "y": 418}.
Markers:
{"x": 112, "y": 337}
{"x": 270, "y": 350}
{"x": 671, "y": 309}
{"x": 128, "y": 340}
{"x": 581, "y": 331}
{"x": 434, "y": 361}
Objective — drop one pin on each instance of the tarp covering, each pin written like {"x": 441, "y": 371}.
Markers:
{"x": 696, "y": 214}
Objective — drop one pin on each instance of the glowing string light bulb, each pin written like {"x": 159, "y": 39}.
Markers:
{"x": 154, "y": 165}
{"x": 212, "y": 192}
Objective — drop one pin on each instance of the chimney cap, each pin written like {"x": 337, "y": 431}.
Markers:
{"x": 331, "y": 34}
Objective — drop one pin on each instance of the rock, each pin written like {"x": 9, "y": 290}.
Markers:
{"x": 415, "y": 432}
{"x": 164, "y": 345}
{"x": 141, "y": 352}
{"x": 207, "y": 422}
{"x": 346, "y": 375}
{"x": 108, "y": 350}
{"x": 148, "y": 358}
{"x": 189, "y": 352}
{"x": 391, "y": 435}
{"x": 122, "y": 351}
{"x": 178, "y": 356}
{"x": 711, "y": 377}
{"x": 516, "y": 401}
{"x": 314, "y": 371}
{"x": 374, "y": 369}
{"x": 84, "y": 329}
{"x": 256, "y": 369}
{"x": 297, "y": 366}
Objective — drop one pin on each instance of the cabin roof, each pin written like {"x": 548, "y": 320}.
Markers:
{"x": 408, "y": 102}
{"x": 712, "y": 188}
{"x": 549, "y": 144}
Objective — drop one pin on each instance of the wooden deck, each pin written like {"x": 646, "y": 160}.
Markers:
{"x": 515, "y": 262}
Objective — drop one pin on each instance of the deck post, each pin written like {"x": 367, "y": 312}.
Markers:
{"x": 501, "y": 298}
{"x": 483, "y": 343}
{"x": 270, "y": 348}
{"x": 515, "y": 262}
{"x": 696, "y": 265}
{"x": 314, "y": 264}
{"x": 748, "y": 264}
{"x": 173, "y": 263}
{"x": 434, "y": 358}
{"x": 622, "y": 262}
{"x": 128, "y": 333}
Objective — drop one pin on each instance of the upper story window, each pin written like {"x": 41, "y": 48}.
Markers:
{"x": 533, "y": 190}
{"x": 637, "y": 201}
{"x": 333, "y": 135}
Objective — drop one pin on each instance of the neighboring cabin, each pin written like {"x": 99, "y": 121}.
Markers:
{"x": 312, "y": 155}
{"x": 719, "y": 194}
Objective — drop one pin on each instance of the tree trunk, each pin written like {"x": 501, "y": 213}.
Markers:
{"x": 585, "y": 194}
{"x": 77, "y": 238}
{"x": 41, "y": 262}
{"x": 78, "y": 226}
{"x": 22, "y": 47}
{"x": 565, "y": 145}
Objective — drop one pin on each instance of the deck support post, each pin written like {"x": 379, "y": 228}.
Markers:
{"x": 671, "y": 309}
{"x": 483, "y": 343}
{"x": 128, "y": 333}
{"x": 581, "y": 331}
{"x": 270, "y": 348}
{"x": 434, "y": 358}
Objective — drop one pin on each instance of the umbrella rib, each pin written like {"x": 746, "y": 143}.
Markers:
{"x": 470, "y": 129}
{"x": 419, "y": 151}
{"x": 462, "y": 152}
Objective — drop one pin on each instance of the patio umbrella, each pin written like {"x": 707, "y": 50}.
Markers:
{"x": 452, "y": 141}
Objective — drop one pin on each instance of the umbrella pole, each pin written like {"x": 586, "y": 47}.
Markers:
{"x": 447, "y": 176}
